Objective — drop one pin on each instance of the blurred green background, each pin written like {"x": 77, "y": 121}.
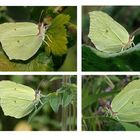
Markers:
{"x": 127, "y": 16}
{"x": 46, "y": 119}
{"x": 100, "y": 90}
{"x": 41, "y": 61}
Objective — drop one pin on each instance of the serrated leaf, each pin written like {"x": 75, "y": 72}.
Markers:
{"x": 55, "y": 101}
{"x": 57, "y": 36}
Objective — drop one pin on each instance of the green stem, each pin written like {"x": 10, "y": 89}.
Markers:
{"x": 70, "y": 116}
{"x": 64, "y": 109}
{"x": 74, "y": 114}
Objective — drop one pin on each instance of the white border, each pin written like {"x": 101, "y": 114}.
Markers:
{"x": 79, "y": 135}
{"x": 67, "y": 2}
{"x": 70, "y": 135}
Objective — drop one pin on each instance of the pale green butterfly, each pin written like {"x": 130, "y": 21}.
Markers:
{"x": 126, "y": 105}
{"x": 21, "y": 40}
{"x": 108, "y": 35}
{"x": 17, "y": 100}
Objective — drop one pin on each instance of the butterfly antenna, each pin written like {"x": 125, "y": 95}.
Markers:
{"x": 40, "y": 84}
{"x": 41, "y": 15}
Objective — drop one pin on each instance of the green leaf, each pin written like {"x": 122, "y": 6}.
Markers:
{"x": 68, "y": 94}
{"x": 125, "y": 62}
{"x": 55, "y": 101}
{"x": 130, "y": 127}
{"x": 70, "y": 62}
{"x": 109, "y": 55}
{"x": 40, "y": 63}
{"x": 54, "y": 78}
{"x": 5, "y": 64}
{"x": 67, "y": 98}
{"x": 57, "y": 36}
{"x": 45, "y": 101}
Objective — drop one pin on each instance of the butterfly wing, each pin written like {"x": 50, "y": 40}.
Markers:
{"x": 20, "y": 40}
{"x": 126, "y": 103}
{"x": 106, "y": 34}
{"x": 16, "y": 100}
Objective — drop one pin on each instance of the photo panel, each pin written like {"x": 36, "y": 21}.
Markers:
{"x": 110, "y": 38}
{"x": 38, "y": 103}
{"x": 38, "y": 38}
{"x": 110, "y": 103}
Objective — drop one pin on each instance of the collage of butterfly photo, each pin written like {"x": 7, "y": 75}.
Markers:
{"x": 53, "y": 80}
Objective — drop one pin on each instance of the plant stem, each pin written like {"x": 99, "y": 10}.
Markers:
{"x": 64, "y": 109}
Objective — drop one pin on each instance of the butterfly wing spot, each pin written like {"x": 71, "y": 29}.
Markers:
{"x": 18, "y": 41}
{"x": 106, "y": 31}
{"x": 15, "y": 29}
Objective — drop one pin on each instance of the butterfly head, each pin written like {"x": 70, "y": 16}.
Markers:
{"x": 42, "y": 30}
{"x": 131, "y": 42}
{"x": 37, "y": 95}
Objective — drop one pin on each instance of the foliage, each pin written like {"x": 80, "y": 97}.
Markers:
{"x": 60, "y": 37}
{"x": 96, "y": 61}
{"x": 98, "y": 91}
{"x": 48, "y": 116}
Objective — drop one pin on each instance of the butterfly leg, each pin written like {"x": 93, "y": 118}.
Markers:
{"x": 46, "y": 43}
{"x": 122, "y": 49}
{"x": 48, "y": 38}
{"x": 133, "y": 44}
{"x": 40, "y": 102}
{"x": 35, "y": 107}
